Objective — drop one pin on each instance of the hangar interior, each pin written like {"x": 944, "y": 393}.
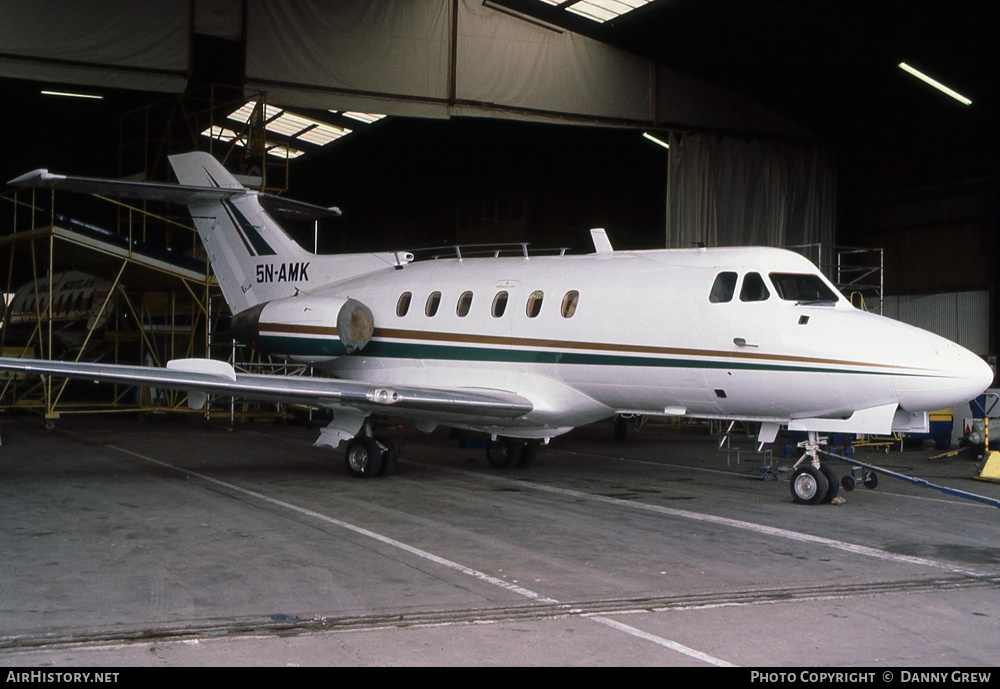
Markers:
{"x": 472, "y": 121}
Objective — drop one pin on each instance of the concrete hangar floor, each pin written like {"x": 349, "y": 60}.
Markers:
{"x": 134, "y": 543}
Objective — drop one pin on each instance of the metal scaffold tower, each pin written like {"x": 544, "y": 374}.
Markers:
{"x": 79, "y": 292}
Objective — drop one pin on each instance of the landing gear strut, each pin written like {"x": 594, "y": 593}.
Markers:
{"x": 813, "y": 483}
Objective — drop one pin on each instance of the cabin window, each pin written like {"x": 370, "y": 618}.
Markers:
{"x": 433, "y": 302}
{"x": 403, "y": 305}
{"x": 802, "y": 287}
{"x": 534, "y": 306}
{"x": 569, "y": 303}
{"x": 754, "y": 288}
{"x": 499, "y": 304}
{"x": 723, "y": 288}
{"x": 464, "y": 304}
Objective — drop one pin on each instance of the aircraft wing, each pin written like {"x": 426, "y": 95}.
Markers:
{"x": 200, "y": 377}
{"x": 173, "y": 193}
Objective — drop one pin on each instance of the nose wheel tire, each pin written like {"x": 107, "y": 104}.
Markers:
{"x": 834, "y": 484}
{"x": 809, "y": 485}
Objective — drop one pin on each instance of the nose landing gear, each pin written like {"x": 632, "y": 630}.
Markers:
{"x": 813, "y": 483}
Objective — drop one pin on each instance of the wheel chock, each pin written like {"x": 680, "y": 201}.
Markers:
{"x": 990, "y": 471}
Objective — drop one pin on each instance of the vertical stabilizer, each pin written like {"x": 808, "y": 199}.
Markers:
{"x": 254, "y": 259}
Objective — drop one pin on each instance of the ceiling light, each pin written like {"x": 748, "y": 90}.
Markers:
{"x": 936, "y": 84}
{"x": 655, "y": 140}
{"x": 67, "y": 94}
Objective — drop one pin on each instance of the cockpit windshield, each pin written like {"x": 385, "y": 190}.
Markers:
{"x": 802, "y": 287}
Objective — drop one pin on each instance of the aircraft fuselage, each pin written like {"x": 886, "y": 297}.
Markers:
{"x": 585, "y": 337}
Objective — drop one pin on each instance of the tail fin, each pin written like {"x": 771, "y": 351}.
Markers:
{"x": 253, "y": 258}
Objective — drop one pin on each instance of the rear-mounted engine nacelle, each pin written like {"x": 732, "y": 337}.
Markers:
{"x": 307, "y": 327}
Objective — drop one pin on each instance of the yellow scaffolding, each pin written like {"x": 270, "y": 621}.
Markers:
{"x": 153, "y": 305}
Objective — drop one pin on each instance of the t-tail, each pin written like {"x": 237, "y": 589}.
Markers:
{"x": 254, "y": 259}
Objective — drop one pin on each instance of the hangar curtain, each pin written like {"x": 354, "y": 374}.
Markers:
{"x": 115, "y": 43}
{"x": 444, "y": 58}
{"x": 727, "y": 191}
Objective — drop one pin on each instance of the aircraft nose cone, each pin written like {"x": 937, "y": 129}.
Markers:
{"x": 944, "y": 375}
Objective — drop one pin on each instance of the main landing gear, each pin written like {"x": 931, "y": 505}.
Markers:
{"x": 813, "y": 483}
{"x": 367, "y": 457}
{"x": 503, "y": 453}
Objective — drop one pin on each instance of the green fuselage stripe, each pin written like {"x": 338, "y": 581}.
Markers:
{"x": 324, "y": 347}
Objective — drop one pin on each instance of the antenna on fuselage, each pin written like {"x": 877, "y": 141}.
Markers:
{"x": 602, "y": 244}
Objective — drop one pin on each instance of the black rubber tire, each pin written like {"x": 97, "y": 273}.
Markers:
{"x": 363, "y": 457}
{"x": 503, "y": 453}
{"x": 390, "y": 453}
{"x": 834, "y": 484}
{"x": 808, "y": 485}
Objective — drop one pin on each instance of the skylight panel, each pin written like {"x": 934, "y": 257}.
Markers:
{"x": 323, "y": 134}
{"x": 288, "y": 124}
{"x": 292, "y": 125}
{"x": 366, "y": 117}
{"x": 244, "y": 113}
{"x": 222, "y": 134}
{"x": 284, "y": 152}
{"x": 599, "y": 10}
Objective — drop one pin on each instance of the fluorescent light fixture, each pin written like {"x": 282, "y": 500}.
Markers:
{"x": 67, "y": 94}
{"x": 652, "y": 138}
{"x": 936, "y": 84}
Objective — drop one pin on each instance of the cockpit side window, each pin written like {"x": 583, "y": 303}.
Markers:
{"x": 802, "y": 287}
{"x": 754, "y": 288}
{"x": 723, "y": 288}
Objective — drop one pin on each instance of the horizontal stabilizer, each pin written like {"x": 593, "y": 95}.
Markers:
{"x": 147, "y": 191}
{"x": 182, "y": 194}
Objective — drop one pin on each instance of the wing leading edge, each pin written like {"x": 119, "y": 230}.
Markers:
{"x": 210, "y": 377}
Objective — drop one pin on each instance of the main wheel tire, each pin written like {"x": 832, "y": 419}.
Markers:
{"x": 808, "y": 485}
{"x": 621, "y": 428}
{"x": 529, "y": 451}
{"x": 390, "y": 453}
{"x": 503, "y": 452}
{"x": 834, "y": 484}
{"x": 363, "y": 457}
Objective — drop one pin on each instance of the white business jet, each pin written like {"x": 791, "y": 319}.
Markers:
{"x": 525, "y": 348}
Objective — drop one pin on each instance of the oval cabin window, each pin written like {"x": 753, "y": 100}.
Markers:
{"x": 464, "y": 304}
{"x": 403, "y": 305}
{"x": 534, "y": 306}
{"x": 569, "y": 304}
{"x": 499, "y": 304}
{"x": 433, "y": 302}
